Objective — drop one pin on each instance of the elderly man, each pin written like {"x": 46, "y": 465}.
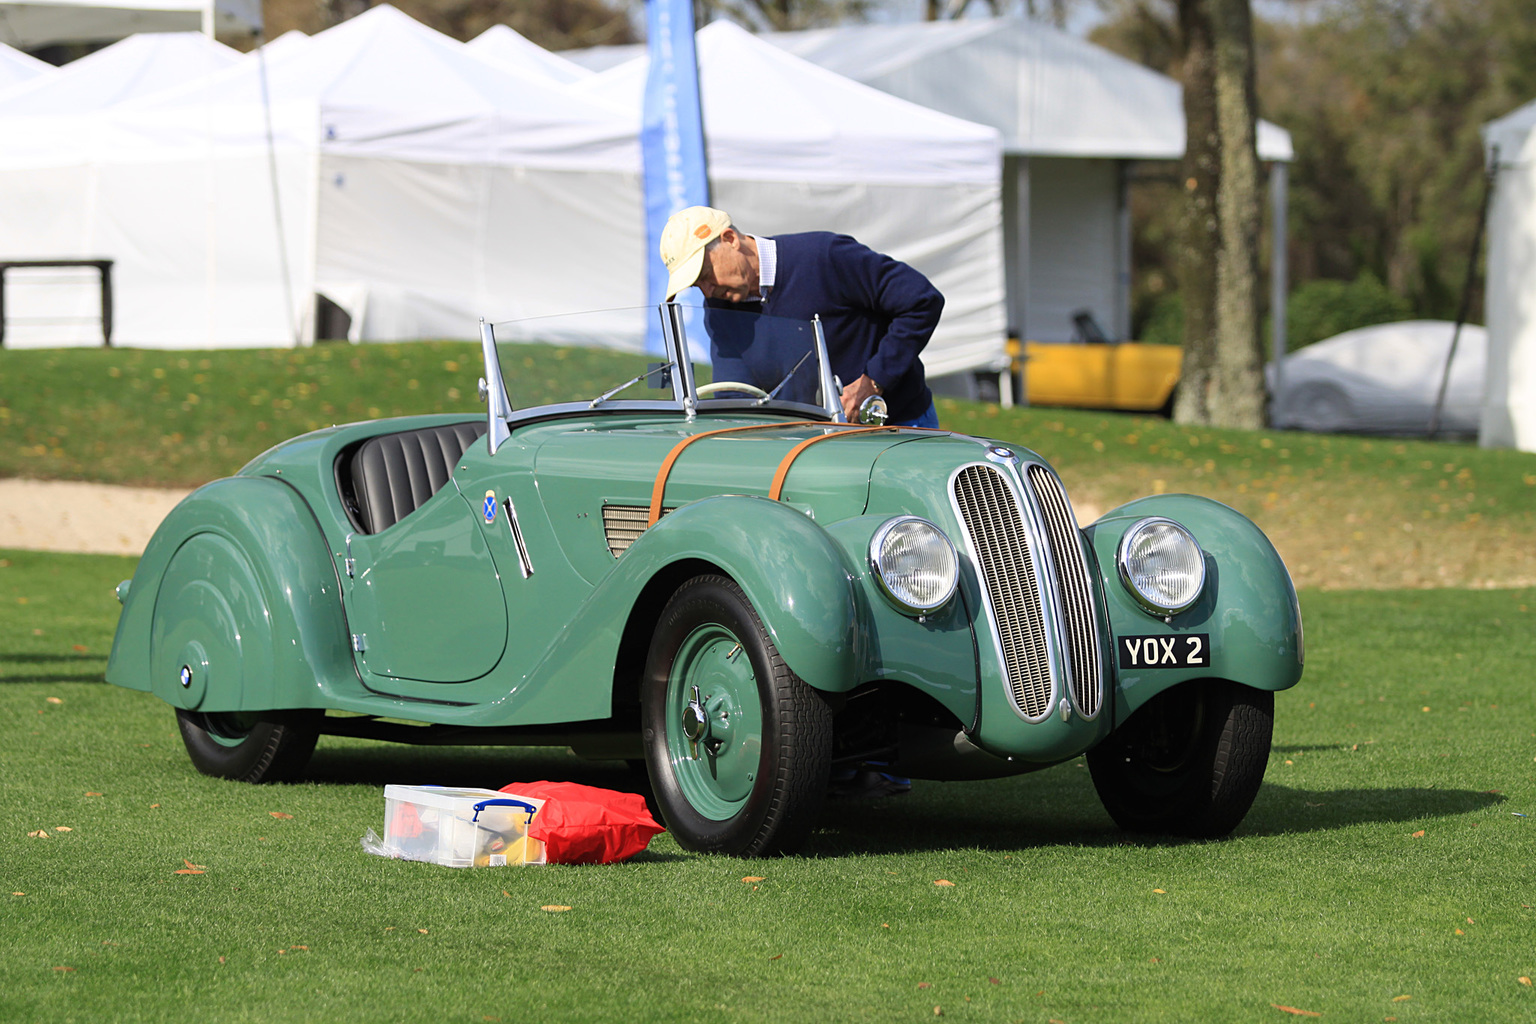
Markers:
{"x": 877, "y": 312}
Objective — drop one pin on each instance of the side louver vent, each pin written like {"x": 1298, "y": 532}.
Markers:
{"x": 992, "y": 518}
{"x": 623, "y": 525}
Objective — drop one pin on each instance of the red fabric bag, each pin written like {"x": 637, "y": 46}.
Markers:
{"x": 586, "y": 825}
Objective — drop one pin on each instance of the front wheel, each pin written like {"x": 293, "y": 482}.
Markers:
{"x": 739, "y": 748}
{"x": 263, "y": 746}
{"x": 1189, "y": 762}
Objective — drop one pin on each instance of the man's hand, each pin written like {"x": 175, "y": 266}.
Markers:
{"x": 854, "y": 395}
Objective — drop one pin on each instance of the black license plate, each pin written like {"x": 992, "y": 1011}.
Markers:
{"x": 1186, "y": 650}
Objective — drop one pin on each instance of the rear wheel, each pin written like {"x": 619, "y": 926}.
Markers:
{"x": 1189, "y": 762}
{"x": 738, "y": 747}
{"x": 262, "y": 746}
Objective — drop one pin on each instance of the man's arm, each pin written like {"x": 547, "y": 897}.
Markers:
{"x": 898, "y": 292}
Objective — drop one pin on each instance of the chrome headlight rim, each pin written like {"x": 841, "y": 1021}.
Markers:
{"x": 1122, "y": 556}
{"x": 876, "y": 547}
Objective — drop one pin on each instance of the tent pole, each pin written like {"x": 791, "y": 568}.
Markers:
{"x": 208, "y": 19}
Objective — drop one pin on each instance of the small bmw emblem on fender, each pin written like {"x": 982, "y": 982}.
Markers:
{"x": 490, "y": 506}
{"x": 1187, "y": 650}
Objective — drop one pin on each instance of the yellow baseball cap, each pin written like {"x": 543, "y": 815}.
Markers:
{"x": 683, "y": 241}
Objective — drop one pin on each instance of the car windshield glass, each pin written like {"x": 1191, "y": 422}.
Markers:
{"x": 602, "y": 357}
{"x": 755, "y": 358}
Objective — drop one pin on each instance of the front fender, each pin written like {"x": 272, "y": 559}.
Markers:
{"x": 789, "y": 568}
{"x": 240, "y": 572}
{"x": 1249, "y": 606}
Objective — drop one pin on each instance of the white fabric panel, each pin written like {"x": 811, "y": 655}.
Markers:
{"x": 1074, "y": 231}
{"x": 1048, "y": 92}
{"x": 502, "y": 44}
{"x": 789, "y": 120}
{"x": 135, "y": 66}
{"x": 36, "y": 23}
{"x": 1509, "y": 413}
{"x": 460, "y": 242}
{"x": 17, "y": 67}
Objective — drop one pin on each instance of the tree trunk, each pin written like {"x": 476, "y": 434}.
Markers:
{"x": 1222, "y": 382}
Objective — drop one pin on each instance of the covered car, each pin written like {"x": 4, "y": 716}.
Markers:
{"x": 1382, "y": 379}
{"x": 705, "y": 568}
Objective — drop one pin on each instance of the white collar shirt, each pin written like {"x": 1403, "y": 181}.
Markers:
{"x": 767, "y": 264}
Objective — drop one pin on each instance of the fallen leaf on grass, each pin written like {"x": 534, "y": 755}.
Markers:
{"x": 221, "y": 959}
{"x": 938, "y": 1012}
{"x": 305, "y": 948}
{"x": 925, "y": 984}
{"x": 190, "y": 871}
{"x": 422, "y": 931}
{"x": 1419, "y": 834}
{"x": 1401, "y": 999}
{"x": 63, "y": 968}
{"x": 62, "y": 828}
{"x": 92, "y": 793}
{"x": 1460, "y": 932}
{"x": 18, "y": 894}
{"x": 777, "y": 956}
{"x": 199, "y": 867}
{"x": 55, "y": 700}
{"x": 994, "y": 981}
{"x": 506, "y": 894}
{"x": 1292, "y": 1009}
{"x": 1525, "y": 981}
{"x": 1161, "y": 892}
{"x": 280, "y": 814}
{"x": 81, "y": 648}
{"x": 39, "y": 834}
{"x": 884, "y": 925}
{"x": 554, "y": 908}
{"x": 753, "y": 878}
{"x": 943, "y": 881}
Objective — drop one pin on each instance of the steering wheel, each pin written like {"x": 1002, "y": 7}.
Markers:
{"x": 731, "y": 385}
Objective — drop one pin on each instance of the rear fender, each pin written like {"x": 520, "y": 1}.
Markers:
{"x": 238, "y": 586}
{"x": 1248, "y": 608}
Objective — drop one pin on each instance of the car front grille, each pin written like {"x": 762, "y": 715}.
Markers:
{"x": 998, "y": 536}
{"x": 1075, "y": 587}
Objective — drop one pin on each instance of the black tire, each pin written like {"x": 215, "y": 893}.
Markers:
{"x": 264, "y": 746}
{"x": 1189, "y": 762}
{"x": 752, "y": 781}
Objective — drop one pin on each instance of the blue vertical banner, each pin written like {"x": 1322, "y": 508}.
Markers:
{"x": 671, "y": 134}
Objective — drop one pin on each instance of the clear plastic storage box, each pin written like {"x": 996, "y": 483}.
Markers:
{"x": 459, "y": 828}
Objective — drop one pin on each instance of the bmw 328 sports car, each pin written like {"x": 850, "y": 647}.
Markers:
{"x": 725, "y": 580}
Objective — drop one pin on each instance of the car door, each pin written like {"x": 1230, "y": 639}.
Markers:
{"x": 424, "y": 599}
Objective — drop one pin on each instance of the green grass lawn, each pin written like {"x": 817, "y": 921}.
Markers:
{"x": 1344, "y": 511}
{"x": 1385, "y": 872}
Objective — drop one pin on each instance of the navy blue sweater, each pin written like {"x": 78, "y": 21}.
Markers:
{"x": 877, "y": 313}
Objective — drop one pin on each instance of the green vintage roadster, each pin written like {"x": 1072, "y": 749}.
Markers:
{"x": 723, "y": 579}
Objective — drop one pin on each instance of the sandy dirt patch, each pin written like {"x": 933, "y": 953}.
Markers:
{"x": 63, "y": 515}
{"x": 59, "y": 515}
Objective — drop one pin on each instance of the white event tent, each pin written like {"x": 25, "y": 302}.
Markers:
{"x": 31, "y": 24}
{"x": 416, "y": 186}
{"x": 794, "y": 147}
{"x": 1074, "y": 118}
{"x": 1509, "y": 408}
{"x": 17, "y": 67}
{"x": 505, "y": 45}
{"x": 136, "y": 66}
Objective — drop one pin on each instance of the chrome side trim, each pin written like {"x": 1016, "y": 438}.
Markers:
{"x": 524, "y": 563}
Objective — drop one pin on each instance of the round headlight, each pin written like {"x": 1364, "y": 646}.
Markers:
{"x": 1161, "y": 565}
{"x": 915, "y": 563}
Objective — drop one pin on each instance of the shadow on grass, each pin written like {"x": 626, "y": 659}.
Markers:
{"x": 9, "y": 664}
{"x": 915, "y": 824}
{"x": 482, "y": 767}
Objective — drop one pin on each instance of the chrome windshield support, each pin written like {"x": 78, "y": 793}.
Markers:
{"x": 676, "y": 338}
{"x": 831, "y": 397}
{"x": 498, "y": 407}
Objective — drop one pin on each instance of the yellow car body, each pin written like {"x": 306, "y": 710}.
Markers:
{"x": 1126, "y": 375}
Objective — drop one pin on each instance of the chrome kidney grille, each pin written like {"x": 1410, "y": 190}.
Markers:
{"x": 1001, "y": 537}
{"x": 1075, "y": 587}
{"x": 991, "y": 517}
